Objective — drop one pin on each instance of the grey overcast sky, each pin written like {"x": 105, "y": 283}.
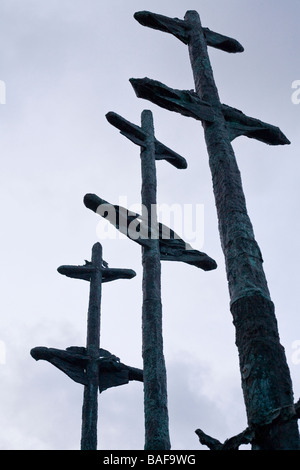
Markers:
{"x": 65, "y": 64}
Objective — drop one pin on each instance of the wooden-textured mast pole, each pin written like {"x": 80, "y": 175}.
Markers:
{"x": 266, "y": 379}
{"x": 90, "y": 397}
{"x": 155, "y": 381}
{"x": 95, "y": 368}
{"x": 236, "y": 232}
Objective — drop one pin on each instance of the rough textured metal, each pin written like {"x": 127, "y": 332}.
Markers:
{"x": 173, "y": 26}
{"x": 184, "y": 102}
{"x": 137, "y": 136}
{"x": 85, "y": 272}
{"x": 188, "y": 103}
{"x": 95, "y": 368}
{"x": 239, "y": 124}
{"x": 158, "y": 242}
{"x": 265, "y": 374}
{"x": 172, "y": 247}
{"x": 268, "y": 385}
{"x": 73, "y": 362}
{"x": 90, "y": 394}
{"x": 233, "y": 443}
{"x": 179, "y": 29}
{"x": 155, "y": 374}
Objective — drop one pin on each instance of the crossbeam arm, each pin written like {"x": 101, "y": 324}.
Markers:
{"x": 138, "y": 137}
{"x": 180, "y": 30}
{"x": 239, "y": 124}
{"x": 233, "y": 443}
{"x": 74, "y": 360}
{"x": 189, "y": 104}
{"x": 184, "y": 102}
{"x": 85, "y": 272}
{"x": 172, "y": 247}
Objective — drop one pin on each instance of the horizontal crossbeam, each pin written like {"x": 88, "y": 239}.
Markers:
{"x": 239, "y": 124}
{"x": 184, "y": 102}
{"x": 73, "y": 362}
{"x": 180, "y": 30}
{"x": 189, "y": 104}
{"x": 138, "y": 136}
{"x": 85, "y": 272}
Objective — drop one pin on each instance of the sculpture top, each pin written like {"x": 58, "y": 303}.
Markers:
{"x": 179, "y": 29}
{"x": 86, "y": 271}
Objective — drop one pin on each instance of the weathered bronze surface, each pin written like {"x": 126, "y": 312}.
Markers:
{"x": 266, "y": 382}
{"x": 131, "y": 224}
{"x": 93, "y": 367}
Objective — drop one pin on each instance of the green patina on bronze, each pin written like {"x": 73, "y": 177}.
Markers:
{"x": 266, "y": 381}
{"x": 91, "y": 366}
{"x": 158, "y": 242}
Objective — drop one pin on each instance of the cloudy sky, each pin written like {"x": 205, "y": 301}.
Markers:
{"x": 65, "y": 64}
